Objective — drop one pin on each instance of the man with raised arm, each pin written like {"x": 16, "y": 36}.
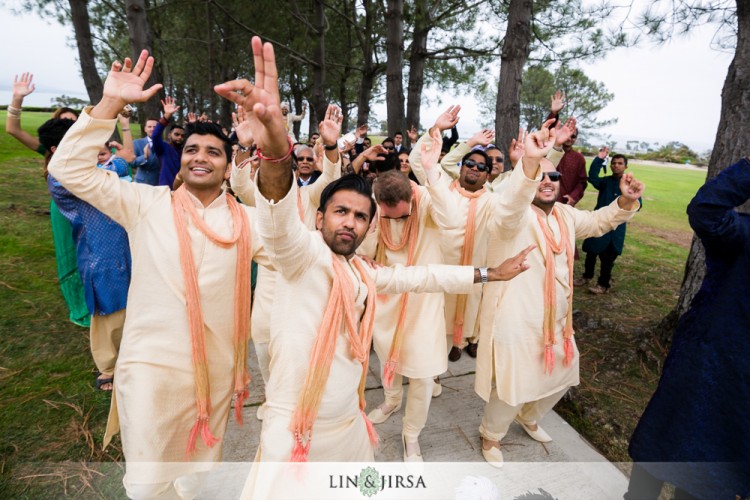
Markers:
{"x": 168, "y": 151}
{"x": 475, "y": 204}
{"x": 324, "y": 312}
{"x": 527, "y": 356}
{"x": 308, "y": 201}
{"x": 184, "y": 345}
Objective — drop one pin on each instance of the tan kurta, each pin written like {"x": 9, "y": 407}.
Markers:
{"x": 244, "y": 186}
{"x": 423, "y": 348}
{"x": 511, "y": 312}
{"x": 154, "y": 382}
{"x": 453, "y": 241}
{"x": 302, "y": 292}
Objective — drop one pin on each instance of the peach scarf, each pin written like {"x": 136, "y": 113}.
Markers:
{"x": 550, "y": 289}
{"x": 467, "y": 252}
{"x": 340, "y": 309}
{"x": 409, "y": 236}
{"x": 183, "y": 204}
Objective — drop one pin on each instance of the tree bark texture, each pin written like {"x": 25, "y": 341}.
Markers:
{"x": 80, "y": 16}
{"x": 318, "y": 103}
{"x": 731, "y": 144}
{"x": 417, "y": 62}
{"x": 141, "y": 38}
{"x": 515, "y": 53}
{"x": 394, "y": 46}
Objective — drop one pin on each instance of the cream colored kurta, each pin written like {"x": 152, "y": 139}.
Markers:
{"x": 244, "y": 186}
{"x": 154, "y": 381}
{"x": 423, "y": 348}
{"x": 453, "y": 241}
{"x": 302, "y": 293}
{"x": 511, "y": 312}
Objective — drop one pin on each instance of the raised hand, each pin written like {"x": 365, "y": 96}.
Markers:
{"x": 512, "y": 267}
{"x": 242, "y": 128}
{"x": 538, "y": 143}
{"x": 261, "y": 101}
{"x": 603, "y": 152}
{"x": 375, "y": 153}
{"x": 448, "y": 119}
{"x": 126, "y": 154}
{"x": 631, "y": 188}
{"x": 564, "y": 132}
{"x": 330, "y": 127}
{"x": 23, "y": 86}
{"x": 517, "y": 148}
{"x": 412, "y": 133}
{"x": 557, "y": 102}
{"x": 125, "y": 82}
{"x": 169, "y": 104}
{"x": 361, "y": 131}
{"x": 482, "y": 138}
{"x": 192, "y": 118}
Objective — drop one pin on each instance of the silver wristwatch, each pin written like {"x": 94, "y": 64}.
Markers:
{"x": 483, "y": 275}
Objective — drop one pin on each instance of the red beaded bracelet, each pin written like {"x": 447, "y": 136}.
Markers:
{"x": 277, "y": 160}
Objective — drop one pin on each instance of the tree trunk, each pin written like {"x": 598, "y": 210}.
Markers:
{"x": 512, "y": 60}
{"x": 394, "y": 46}
{"x": 80, "y": 16}
{"x": 732, "y": 143}
{"x": 417, "y": 62}
{"x": 369, "y": 71}
{"x": 318, "y": 103}
{"x": 141, "y": 38}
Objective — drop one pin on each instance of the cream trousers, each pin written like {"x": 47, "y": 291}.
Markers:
{"x": 183, "y": 488}
{"x": 498, "y": 415}
{"x": 418, "y": 401}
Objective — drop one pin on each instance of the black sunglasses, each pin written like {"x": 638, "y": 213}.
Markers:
{"x": 553, "y": 176}
{"x": 482, "y": 167}
{"x": 306, "y": 158}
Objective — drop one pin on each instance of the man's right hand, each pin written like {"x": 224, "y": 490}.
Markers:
{"x": 170, "y": 107}
{"x": 124, "y": 84}
{"x": 23, "y": 86}
{"x": 557, "y": 102}
{"x": 482, "y": 138}
{"x": 448, "y": 119}
{"x": 603, "y": 152}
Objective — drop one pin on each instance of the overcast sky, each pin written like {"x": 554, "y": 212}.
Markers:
{"x": 665, "y": 93}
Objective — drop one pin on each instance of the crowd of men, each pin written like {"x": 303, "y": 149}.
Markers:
{"x": 421, "y": 254}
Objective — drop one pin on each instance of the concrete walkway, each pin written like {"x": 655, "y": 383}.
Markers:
{"x": 566, "y": 468}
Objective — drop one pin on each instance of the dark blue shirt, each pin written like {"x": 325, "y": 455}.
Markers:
{"x": 102, "y": 247}
{"x": 168, "y": 155}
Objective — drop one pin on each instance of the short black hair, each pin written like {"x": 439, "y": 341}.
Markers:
{"x": 349, "y": 182}
{"x": 388, "y": 139}
{"x": 477, "y": 152}
{"x": 52, "y": 131}
{"x": 208, "y": 128}
{"x": 624, "y": 158}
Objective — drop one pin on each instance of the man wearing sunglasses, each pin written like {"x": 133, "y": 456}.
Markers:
{"x": 306, "y": 173}
{"x": 527, "y": 356}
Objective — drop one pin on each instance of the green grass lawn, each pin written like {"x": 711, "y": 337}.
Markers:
{"x": 52, "y": 419}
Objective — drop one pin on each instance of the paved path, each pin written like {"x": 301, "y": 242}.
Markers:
{"x": 567, "y": 468}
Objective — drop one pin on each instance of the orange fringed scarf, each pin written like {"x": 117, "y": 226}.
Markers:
{"x": 182, "y": 204}
{"x": 467, "y": 252}
{"x": 550, "y": 289}
{"x": 409, "y": 236}
{"x": 340, "y": 308}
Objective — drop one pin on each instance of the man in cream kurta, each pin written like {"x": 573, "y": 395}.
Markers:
{"x": 422, "y": 354}
{"x": 154, "y": 399}
{"x": 265, "y": 290}
{"x": 510, "y": 369}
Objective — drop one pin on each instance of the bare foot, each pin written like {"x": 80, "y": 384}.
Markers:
{"x": 106, "y": 386}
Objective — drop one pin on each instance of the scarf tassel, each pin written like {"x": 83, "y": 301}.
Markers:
{"x": 201, "y": 426}
{"x": 371, "y": 432}
{"x": 549, "y": 359}
{"x": 299, "y": 452}
{"x": 389, "y": 373}
{"x": 568, "y": 347}
{"x": 239, "y": 400}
